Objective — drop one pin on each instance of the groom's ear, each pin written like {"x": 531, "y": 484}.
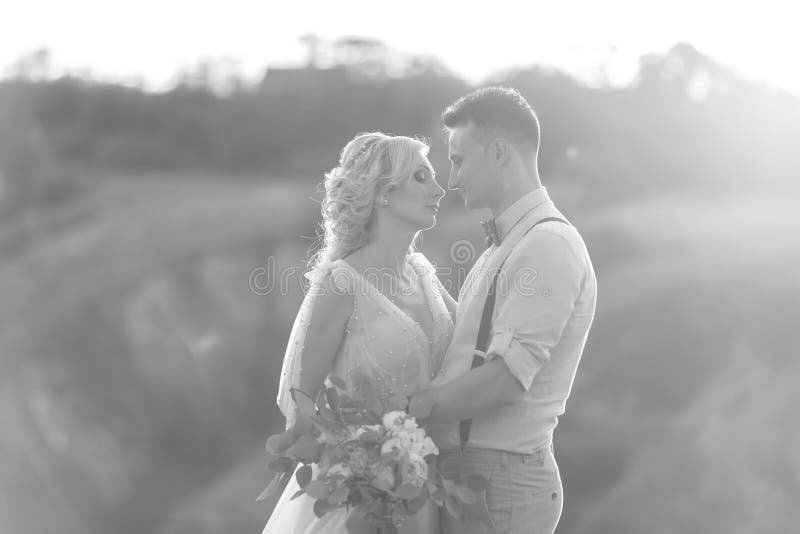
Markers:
{"x": 500, "y": 151}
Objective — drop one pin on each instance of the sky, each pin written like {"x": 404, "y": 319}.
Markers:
{"x": 149, "y": 41}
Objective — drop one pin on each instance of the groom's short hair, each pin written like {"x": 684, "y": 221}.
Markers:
{"x": 496, "y": 107}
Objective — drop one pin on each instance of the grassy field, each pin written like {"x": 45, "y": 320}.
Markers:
{"x": 140, "y": 368}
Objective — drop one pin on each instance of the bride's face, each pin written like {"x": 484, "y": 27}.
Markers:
{"x": 415, "y": 201}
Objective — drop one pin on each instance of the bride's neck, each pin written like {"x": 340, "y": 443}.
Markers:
{"x": 385, "y": 252}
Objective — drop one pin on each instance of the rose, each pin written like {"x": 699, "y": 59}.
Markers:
{"x": 383, "y": 477}
{"x": 391, "y": 445}
{"x": 416, "y": 471}
{"x": 393, "y": 419}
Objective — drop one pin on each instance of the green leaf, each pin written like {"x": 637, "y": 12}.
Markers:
{"x": 297, "y": 494}
{"x": 272, "y": 489}
{"x": 333, "y": 398}
{"x": 453, "y": 505}
{"x": 340, "y": 494}
{"x": 466, "y": 495}
{"x": 415, "y": 505}
{"x": 357, "y": 524}
{"x": 399, "y": 403}
{"x": 438, "y": 497}
{"x": 323, "y": 423}
{"x": 282, "y": 465}
{"x": 303, "y": 476}
{"x": 317, "y": 490}
{"x": 306, "y": 448}
{"x": 278, "y": 443}
{"x": 322, "y": 406}
{"x": 338, "y": 382}
{"x": 320, "y": 507}
{"x": 477, "y": 482}
{"x": 369, "y": 436}
{"x": 353, "y": 418}
{"x": 408, "y": 491}
{"x": 305, "y": 404}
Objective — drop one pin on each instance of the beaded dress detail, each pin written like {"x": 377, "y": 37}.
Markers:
{"x": 385, "y": 350}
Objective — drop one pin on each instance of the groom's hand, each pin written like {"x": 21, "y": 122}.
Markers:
{"x": 420, "y": 405}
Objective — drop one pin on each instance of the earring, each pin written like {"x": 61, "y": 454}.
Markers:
{"x": 385, "y": 201}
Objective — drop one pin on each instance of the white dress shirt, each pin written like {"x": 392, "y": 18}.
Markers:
{"x": 545, "y": 304}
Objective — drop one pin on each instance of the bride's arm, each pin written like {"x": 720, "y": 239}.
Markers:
{"x": 325, "y": 333}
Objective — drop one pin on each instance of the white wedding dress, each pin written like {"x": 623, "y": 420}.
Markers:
{"x": 384, "y": 349}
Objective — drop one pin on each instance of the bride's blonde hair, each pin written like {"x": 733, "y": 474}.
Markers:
{"x": 368, "y": 163}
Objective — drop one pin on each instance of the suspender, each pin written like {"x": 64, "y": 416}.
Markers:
{"x": 481, "y": 344}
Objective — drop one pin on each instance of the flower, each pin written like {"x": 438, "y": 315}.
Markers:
{"x": 340, "y": 470}
{"x": 392, "y": 445}
{"x": 393, "y": 419}
{"x": 416, "y": 473}
{"x": 383, "y": 477}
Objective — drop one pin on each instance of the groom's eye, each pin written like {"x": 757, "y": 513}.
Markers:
{"x": 420, "y": 176}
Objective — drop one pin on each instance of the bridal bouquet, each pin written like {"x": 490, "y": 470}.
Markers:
{"x": 366, "y": 456}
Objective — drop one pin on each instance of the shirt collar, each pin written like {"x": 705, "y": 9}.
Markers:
{"x": 512, "y": 214}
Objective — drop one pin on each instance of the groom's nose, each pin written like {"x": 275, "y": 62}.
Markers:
{"x": 452, "y": 182}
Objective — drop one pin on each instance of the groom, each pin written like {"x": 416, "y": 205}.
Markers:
{"x": 518, "y": 337}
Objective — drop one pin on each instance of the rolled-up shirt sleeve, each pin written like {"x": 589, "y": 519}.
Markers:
{"x": 535, "y": 296}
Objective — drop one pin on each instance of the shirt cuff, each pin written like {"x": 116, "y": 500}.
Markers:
{"x": 521, "y": 363}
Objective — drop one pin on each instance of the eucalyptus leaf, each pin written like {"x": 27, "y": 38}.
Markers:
{"x": 278, "y": 443}
{"x": 339, "y": 495}
{"x": 369, "y": 436}
{"x": 303, "y": 476}
{"x": 333, "y": 398}
{"x": 306, "y": 448}
{"x": 305, "y": 404}
{"x": 415, "y": 505}
{"x": 338, "y": 382}
{"x": 297, "y": 494}
{"x": 453, "y": 505}
{"x": 282, "y": 465}
{"x": 272, "y": 489}
{"x": 324, "y": 423}
{"x": 320, "y": 507}
{"x": 408, "y": 491}
{"x": 317, "y": 490}
{"x": 466, "y": 495}
{"x": 357, "y": 524}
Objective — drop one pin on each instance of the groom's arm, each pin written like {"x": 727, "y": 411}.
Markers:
{"x": 489, "y": 386}
{"x": 535, "y": 300}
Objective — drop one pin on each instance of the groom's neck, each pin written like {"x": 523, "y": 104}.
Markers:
{"x": 512, "y": 192}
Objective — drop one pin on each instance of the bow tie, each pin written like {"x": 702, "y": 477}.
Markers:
{"x": 492, "y": 237}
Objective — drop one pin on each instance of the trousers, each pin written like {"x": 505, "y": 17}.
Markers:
{"x": 524, "y": 493}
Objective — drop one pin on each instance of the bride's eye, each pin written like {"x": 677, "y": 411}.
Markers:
{"x": 419, "y": 176}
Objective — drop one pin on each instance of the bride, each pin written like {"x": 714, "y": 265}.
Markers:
{"x": 375, "y": 314}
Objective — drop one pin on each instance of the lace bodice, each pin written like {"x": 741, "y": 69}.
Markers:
{"x": 385, "y": 348}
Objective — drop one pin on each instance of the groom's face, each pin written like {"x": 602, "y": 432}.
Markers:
{"x": 470, "y": 172}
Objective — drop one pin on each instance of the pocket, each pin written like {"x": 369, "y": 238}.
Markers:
{"x": 478, "y": 517}
{"x": 539, "y": 511}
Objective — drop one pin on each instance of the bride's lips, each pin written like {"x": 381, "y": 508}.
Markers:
{"x": 434, "y": 208}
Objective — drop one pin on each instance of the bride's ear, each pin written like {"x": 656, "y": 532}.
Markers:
{"x": 382, "y": 199}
